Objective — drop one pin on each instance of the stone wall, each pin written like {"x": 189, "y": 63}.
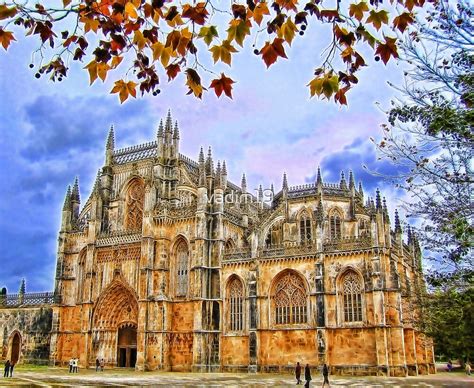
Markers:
{"x": 33, "y": 325}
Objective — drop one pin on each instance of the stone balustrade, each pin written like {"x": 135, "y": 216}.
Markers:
{"x": 28, "y": 299}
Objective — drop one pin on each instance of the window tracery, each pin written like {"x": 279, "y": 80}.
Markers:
{"x": 305, "y": 228}
{"x": 275, "y": 234}
{"x": 352, "y": 297}
{"x": 335, "y": 226}
{"x": 134, "y": 205}
{"x": 290, "y": 301}
{"x": 235, "y": 303}
{"x": 182, "y": 256}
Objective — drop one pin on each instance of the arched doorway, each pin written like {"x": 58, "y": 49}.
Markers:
{"x": 115, "y": 322}
{"x": 15, "y": 350}
{"x": 127, "y": 347}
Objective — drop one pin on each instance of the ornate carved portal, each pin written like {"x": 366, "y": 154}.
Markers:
{"x": 115, "y": 321}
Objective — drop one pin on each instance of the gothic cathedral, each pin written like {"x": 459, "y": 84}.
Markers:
{"x": 169, "y": 265}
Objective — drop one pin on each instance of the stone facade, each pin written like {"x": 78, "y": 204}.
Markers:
{"x": 168, "y": 265}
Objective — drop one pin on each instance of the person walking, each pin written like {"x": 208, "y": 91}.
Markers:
{"x": 298, "y": 373}
{"x": 97, "y": 364}
{"x": 468, "y": 369}
{"x": 74, "y": 365}
{"x": 307, "y": 375}
{"x": 12, "y": 365}
{"x": 102, "y": 364}
{"x": 71, "y": 364}
{"x": 7, "y": 369}
{"x": 325, "y": 375}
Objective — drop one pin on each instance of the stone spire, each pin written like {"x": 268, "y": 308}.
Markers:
{"x": 110, "y": 145}
{"x": 385, "y": 211}
{"x": 378, "y": 201}
{"x": 243, "y": 183}
{"x": 22, "y": 289}
{"x": 169, "y": 122}
{"x": 224, "y": 174}
{"x": 398, "y": 228}
{"x": 67, "y": 200}
{"x": 202, "y": 169}
{"x": 285, "y": 182}
{"x": 361, "y": 191}
{"x": 351, "y": 180}
{"x": 201, "y": 156}
{"x": 209, "y": 162}
{"x": 218, "y": 175}
{"x": 409, "y": 235}
{"x": 176, "y": 131}
{"x": 160, "y": 133}
{"x": 75, "y": 196}
{"x": 96, "y": 187}
{"x": 342, "y": 183}
{"x": 260, "y": 194}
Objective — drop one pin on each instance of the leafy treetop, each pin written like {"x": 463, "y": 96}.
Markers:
{"x": 161, "y": 37}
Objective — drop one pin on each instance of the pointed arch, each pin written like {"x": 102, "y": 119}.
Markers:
{"x": 273, "y": 234}
{"x": 235, "y": 293}
{"x": 14, "y": 348}
{"x": 229, "y": 245}
{"x": 134, "y": 204}
{"x": 351, "y": 296}
{"x": 181, "y": 257}
{"x": 304, "y": 220}
{"x": 116, "y": 306}
{"x": 289, "y": 298}
{"x": 336, "y": 216}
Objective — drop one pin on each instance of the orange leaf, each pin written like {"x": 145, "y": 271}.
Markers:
{"x": 357, "y": 10}
{"x": 222, "y": 84}
{"x": 172, "y": 71}
{"x": 271, "y": 51}
{"x": 402, "y": 21}
{"x": 387, "y": 49}
{"x": 197, "y": 14}
{"x": 6, "y": 38}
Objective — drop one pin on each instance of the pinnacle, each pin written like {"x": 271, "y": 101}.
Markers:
{"x": 110, "y": 145}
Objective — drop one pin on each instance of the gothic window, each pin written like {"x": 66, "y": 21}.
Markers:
{"x": 363, "y": 228}
{"x": 275, "y": 235}
{"x": 134, "y": 206}
{"x": 182, "y": 257}
{"x": 305, "y": 228}
{"x": 352, "y": 296}
{"x": 289, "y": 300}
{"x": 235, "y": 303}
{"x": 335, "y": 226}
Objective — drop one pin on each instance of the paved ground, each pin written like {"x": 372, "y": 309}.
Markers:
{"x": 54, "y": 377}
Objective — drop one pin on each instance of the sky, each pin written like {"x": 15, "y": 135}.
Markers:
{"x": 52, "y": 132}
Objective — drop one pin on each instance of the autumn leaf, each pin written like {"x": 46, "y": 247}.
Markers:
{"x": 326, "y": 84}
{"x": 139, "y": 39}
{"x": 238, "y": 30}
{"x": 287, "y": 4}
{"x": 378, "y": 18}
{"x": 357, "y": 10}
{"x": 90, "y": 24}
{"x": 193, "y": 81}
{"x": 287, "y": 31}
{"x": 102, "y": 69}
{"x": 6, "y": 37}
{"x": 271, "y": 51}
{"x": 131, "y": 10}
{"x": 208, "y": 34}
{"x": 124, "y": 89}
{"x": 6, "y": 12}
{"x": 402, "y": 21}
{"x": 172, "y": 71}
{"x": 66, "y": 3}
{"x": 387, "y": 49}
{"x": 260, "y": 9}
{"x": 223, "y": 52}
{"x": 197, "y": 14}
{"x": 116, "y": 61}
{"x": 223, "y": 84}
{"x": 92, "y": 69}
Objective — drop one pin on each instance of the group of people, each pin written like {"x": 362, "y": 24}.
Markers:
{"x": 73, "y": 365}
{"x": 99, "y": 365}
{"x": 8, "y": 372}
{"x": 307, "y": 374}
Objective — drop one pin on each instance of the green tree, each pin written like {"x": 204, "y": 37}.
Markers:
{"x": 165, "y": 38}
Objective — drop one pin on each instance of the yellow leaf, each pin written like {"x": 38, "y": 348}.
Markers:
{"x": 287, "y": 31}
{"x": 139, "y": 39}
{"x": 157, "y": 49}
{"x": 357, "y": 10}
{"x": 6, "y": 12}
{"x": 124, "y": 89}
{"x": 116, "y": 61}
{"x": 102, "y": 69}
{"x": 165, "y": 56}
{"x": 238, "y": 30}
{"x": 223, "y": 52}
{"x": 378, "y": 18}
{"x": 131, "y": 10}
{"x": 260, "y": 9}
{"x": 90, "y": 24}
{"x": 92, "y": 69}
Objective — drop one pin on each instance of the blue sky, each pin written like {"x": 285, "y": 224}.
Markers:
{"x": 49, "y": 133}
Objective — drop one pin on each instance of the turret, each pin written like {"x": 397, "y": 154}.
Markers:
{"x": 202, "y": 169}
{"x": 168, "y": 129}
{"x": 67, "y": 211}
{"x": 109, "y": 147}
{"x": 160, "y": 139}
{"x": 319, "y": 182}
{"x": 176, "y": 140}
{"x": 75, "y": 199}
{"x": 284, "y": 186}
{"x": 351, "y": 183}
{"x": 224, "y": 175}
{"x": 378, "y": 201}
{"x": 342, "y": 183}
